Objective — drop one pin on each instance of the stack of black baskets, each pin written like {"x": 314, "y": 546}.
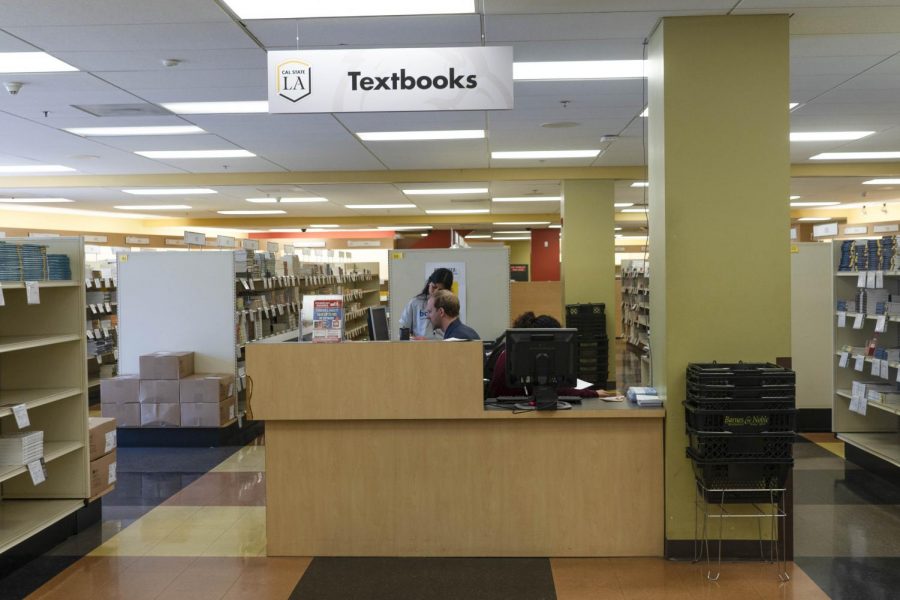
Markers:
{"x": 593, "y": 343}
{"x": 741, "y": 420}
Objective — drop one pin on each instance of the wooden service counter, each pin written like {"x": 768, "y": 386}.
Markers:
{"x": 385, "y": 449}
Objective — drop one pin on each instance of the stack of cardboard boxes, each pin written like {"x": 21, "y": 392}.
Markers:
{"x": 168, "y": 393}
{"x": 102, "y": 441}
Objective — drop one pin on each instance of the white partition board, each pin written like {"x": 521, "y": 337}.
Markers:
{"x": 487, "y": 285}
{"x": 812, "y": 323}
{"x": 172, "y": 301}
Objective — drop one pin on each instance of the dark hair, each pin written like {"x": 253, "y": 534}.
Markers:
{"x": 442, "y": 276}
{"x": 446, "y": 300}
{"x": 529, "y": 321}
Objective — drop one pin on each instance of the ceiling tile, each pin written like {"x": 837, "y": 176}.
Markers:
{"x": 43, "y": 13}
{"x": 166, "y": 38}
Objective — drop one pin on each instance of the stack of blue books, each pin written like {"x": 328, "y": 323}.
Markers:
{"x": 9, "y": 263}
{"x": 59, "y": 267}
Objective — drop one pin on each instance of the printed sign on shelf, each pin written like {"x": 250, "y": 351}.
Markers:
{"x": 390, "y": 79}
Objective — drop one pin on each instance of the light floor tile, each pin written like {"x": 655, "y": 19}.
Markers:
{"x": 248, "y": 458}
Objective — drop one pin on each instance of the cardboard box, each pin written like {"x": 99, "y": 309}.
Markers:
{"x": 208, "y": 414}
{"x": 102, "y": 436}
{"x": 103, "y": 473}
{"x": 126, "y": 415}
{"x": 121, "y": 389}
{"x": 161, "y": 415}
{"x": 160, "y": 391}
{"x": 166, "y": 365}
{"x": 207, "y": 387}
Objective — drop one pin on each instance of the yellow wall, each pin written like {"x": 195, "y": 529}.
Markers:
{"x": 520, "y": 253}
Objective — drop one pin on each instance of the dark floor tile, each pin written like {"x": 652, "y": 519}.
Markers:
{"x": 148, "y": 489}
{"x": 172, "y": 460}
{"x": 855, "y": 578}
{"x": 432, "y": 578}
{"x": 848, "y": 530}
{"x": 846, "y": 486}
{"x": 33, "y": 575}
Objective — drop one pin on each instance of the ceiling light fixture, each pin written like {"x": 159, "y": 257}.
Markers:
{"x": 634, "y": 210}
{"x": 882, "y": 182}
{"x": 512, "y": 232}
{"x": 154, "y": 207}
{"x": 77, "y": 212}
{"x": 262, "y": 200}
{"x": 622, "y": 204}
{"x": 511, "y": 239}
{"x": 529, "y": 199}
{"x": 828, "y": 136}
{"x": 121, "y": 131}
{"x": 168, "y": 154}
{"x": 378, "y": 206}
{"x": 34, "y": 200}
{"x": 811, "y": 204}
{"x": 32, "y": 62}
{"x": 794, "y": 198}
{"x": 521, "y": 222}
{"x": 445, "y": 192}
{"x": 793, "y": 105}
{"x": 329, "y": 226}
{"x": 578, "y": 69}
{"x": 310, "y": 200}
{"x": 645, "y": 112}
{"x": 251, "y": 212}
{"x": 217, "y": 108}
{"x": 554, "y": 226}
{"x": 544, "y": 154}
{"x": 411, "y": 136}
{"x": 458, "y": 211}
{"x": 856, "y": 156}
{"x": 169, "y": 191}
{"x": 404, "y": 227}
{"x": 34, "y": 169}
{"x": 640, "y": 184}
{"x": 477, "y": 236}
{"x": 617, "y": 229}
{"x": 814, "y": 219}
{"x": 290, "y": 9}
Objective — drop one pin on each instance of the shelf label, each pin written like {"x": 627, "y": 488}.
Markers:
{"x": 842, "y": 318}
{"x": 93, "y": 308}
{"x": 880, "y": 323}
{"x": 99, "y": 357}
{"x": 32, "y": 292}
{"x": 861, "y": 280}
{"x": 858, "y": 321}
{"x": 2, "y": 299}
{"x": 245, "y": 284}
{"x": 870, "y": 279}
{"x": 859, "y": 363}
{"x": 879, "y": 279}
{"x": 111, "y": 475}
{"x": 38, "y": 471}
{"x": 885, "y": 372}
{"x": 110, "y": 441}
{"x": 252, "y": 284}
{"x": 116, "y": 353}
{"x": 876, "y": 367}
{"x": 87, "y": 282}
{"x": 108, "y": 307}
{"x": 97, "y": 283}
{"x": 843, "y": 360}
{"x": 105, "y": 332}
{"x": 21, "y": 413}
{"x": 89, "y": 333}
{"x": 280, "y": 309}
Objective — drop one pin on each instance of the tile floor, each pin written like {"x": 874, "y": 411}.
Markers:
{"x": 190, "y": 523}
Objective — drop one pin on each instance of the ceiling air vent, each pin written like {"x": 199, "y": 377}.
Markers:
{"x": 123, "y": 110}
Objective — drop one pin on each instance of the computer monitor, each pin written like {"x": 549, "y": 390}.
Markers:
{"x": 542, "y": 360}
{"x": 376, "y": 319}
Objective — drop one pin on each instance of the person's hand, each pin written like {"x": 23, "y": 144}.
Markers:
{"x": 604, "y": 393}
{"x": 418, "y": 338}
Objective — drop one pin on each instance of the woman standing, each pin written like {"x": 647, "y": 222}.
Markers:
{"x": 413, "y": 316}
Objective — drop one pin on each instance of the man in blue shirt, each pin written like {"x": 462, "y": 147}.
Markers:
{"x": 443, "y": 311}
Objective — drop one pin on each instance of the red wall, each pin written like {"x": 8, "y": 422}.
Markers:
{"x": 439, "y": 238}
{"x": 545, "y": 261}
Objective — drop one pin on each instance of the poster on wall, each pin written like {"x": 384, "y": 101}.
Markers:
{"x": 459, "y": 281}
{"x": 322, "y": 318}
{"x": 518, "y": 272}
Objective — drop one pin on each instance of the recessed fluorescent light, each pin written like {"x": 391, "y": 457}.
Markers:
{"x": 632, "y": 237}
{"x": 478, "y": 237}
{"x": 404, "y": 227}
{"x": 510, "y": 239}
{"x": 811, "y": 219}
{"x": 882, "y": 182}
{"x": 794, "y": 198}
{"x": 617, "y": 229}
{"x": 541, "y": 154}
{"x": 634, "y": 210}
{"x": 32, "y": 62}
{"x": 290, "y": 9}
{"x": 445, "y": 192}
{"x": 514, "y": 232}
{"x": 645, "y": 112}
{"x": 217, "y": 108}
{"x": 578, "y": 69}
{"x": 554, "y": 227}
{"x": 640, "y": 184}
{"x": 423, "y": 235}
{"x": 377, "y": 206}
{"x": 856, "y": 156}
{"x": 169, "y": 191}
{"x": 810, "y": 204}
{"x": 458, "y": 211}
{"x": 292, "y": 230}
{"x": 329, "y": 226}
{"x": 155, "y": 207}
{"x": 34, "y": 169}
{"x": 398, "y": 136}
{"x": 623, "y": 204}
{"x": 251, "y": 212}
{"x": 117, "y": 131}
{"x": 828, "y": 136}
{"x": 529, "y": 199}
{"x": 521, "y": 222}
{"x": 195, "y": 153}
{"x": 262, "y": 200}
{"x": 34, "y": 200}
{"x": 310, "y": 200}
{"x": 793, "y": 105}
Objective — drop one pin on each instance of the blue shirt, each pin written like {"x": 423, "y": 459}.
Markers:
{"x": 459, "y": 330}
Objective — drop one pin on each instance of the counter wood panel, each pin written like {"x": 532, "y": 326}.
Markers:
{"x": 490, "y": 487}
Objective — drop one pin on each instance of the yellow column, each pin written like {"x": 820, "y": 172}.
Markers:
{"x": 588, "y": 251}
{"x": 719, "y": 222}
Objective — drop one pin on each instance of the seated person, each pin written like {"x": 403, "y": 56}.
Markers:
{"x": 443, "y": 311}
{"x": 499, "y": 386}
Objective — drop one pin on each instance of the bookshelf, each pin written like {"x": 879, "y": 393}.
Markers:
{"x": 43, "y": 366}
{"x": 877, "y": 432}
{"x": 636, "y": 304}
{"x": 101, "y": 313}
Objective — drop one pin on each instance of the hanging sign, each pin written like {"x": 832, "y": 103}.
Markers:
{"x": 391, "y": 79}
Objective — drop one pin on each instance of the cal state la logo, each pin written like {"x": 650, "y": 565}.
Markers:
{"x": 293, "y": 80}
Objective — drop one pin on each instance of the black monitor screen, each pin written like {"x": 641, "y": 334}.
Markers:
{"x": 542, "y": 357}
{"x": 378, "y": 325}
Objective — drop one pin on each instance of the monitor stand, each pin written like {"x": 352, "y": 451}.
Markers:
{"x": 545, "y": 397}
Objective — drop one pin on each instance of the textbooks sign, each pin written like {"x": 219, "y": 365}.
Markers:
{"x": 393, "y": 79}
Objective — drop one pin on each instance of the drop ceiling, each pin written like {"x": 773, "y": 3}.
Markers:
{"x": 845, "y": 73}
